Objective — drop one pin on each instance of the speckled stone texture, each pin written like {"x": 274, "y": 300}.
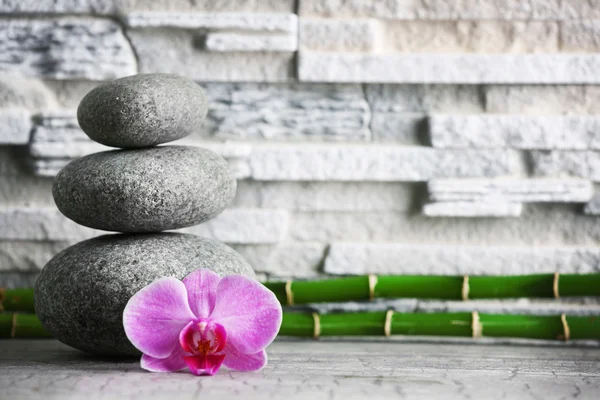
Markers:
{"x": 81, "y": 293}
{"x": 142, "y": 110}
{"x": 144, "y": 190}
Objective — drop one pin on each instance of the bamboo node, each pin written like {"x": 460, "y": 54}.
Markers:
{"x": 566, "y": 330}
{"x": 13, "y": 325}
{"x": 372, "y": 284}
{"x": 555, "y": 285}
{"x": 465, "y": 288}
{"x": 288, "y": 293}
{"x": 317, "y": 326}
{"x": 476, "y": 325}
{"x": 387, "y": 327}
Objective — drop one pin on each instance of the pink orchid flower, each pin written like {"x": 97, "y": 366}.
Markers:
{"x": 202, "y": 323}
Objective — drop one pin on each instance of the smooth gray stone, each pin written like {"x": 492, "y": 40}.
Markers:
{"x": 145, "y": 190}
{"x": 81, "y": 293}
{"x": 142, "y": 110}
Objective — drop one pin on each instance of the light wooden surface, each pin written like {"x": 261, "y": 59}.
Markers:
{"x": 46, "y": 369}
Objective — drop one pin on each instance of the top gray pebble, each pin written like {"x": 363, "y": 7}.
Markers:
{"x": 142, "y": 110}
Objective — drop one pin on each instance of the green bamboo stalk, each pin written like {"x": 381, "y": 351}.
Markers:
{"x": 20, "y": 300}
{"x": 558, "y": 327}
{"x": 441, "y": 324}
{"x": 360, "y": 288}
{"x": 21, "y": 326}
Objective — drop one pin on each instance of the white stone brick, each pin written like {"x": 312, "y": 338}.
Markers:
{"x": 542, "y": 225}
{"x": 438, "y": 259}
{"x": 65, "y": 48}
{"x": 326, "y": 196}
{"x": 580, "y": 35}
{"x": 232, "y": 226}
{"x": 28, "y": 256}
{"x": 404, "y": 128}
{"x": 542, "y": 99}
{"x": 244, "y": 226}
{"x": 520, "y": 132}
{"x": 230, "y": 42}
{"x": 593, "y": 206}
{"x": 582, "y": 164}
{"x": 510, "y": 190}
{"x": 448, "y": 68}
{"x": 448, "y": 9}
{"x": 15, "y": 126}
{"x": 339, "y": 35}
{"x": 251, "y": 22}
{"x": 493, "y": 208}
{"x": 298, "y": 260}
{"x": 450, "y": 99}
{"x": 31, "y": 94}
{"x": 311, "y": 162}
{"x": 177, "y": 51}
{"x": 287, "y": 111}
{"x": 471, "y": 37}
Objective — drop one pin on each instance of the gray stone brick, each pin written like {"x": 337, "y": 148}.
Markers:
{"x": 450, "y": 99}
{"x": 287, "y": 111}
{"x": 65, "y": 48}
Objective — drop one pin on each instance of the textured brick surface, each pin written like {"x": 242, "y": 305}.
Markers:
{"x": 451, "y": 9}
{"x": 520, "y": 132}
{"x": 373, "y": 163}
{"x": 583, "y": 164}
{"x": 15, "y": 126}
{"x": 65, "y": 48}
{"x": 287, "y": 111}
{"x": 423, "y": 259}
{"x": 516, "y": 190}
{"x": 450, "y": 68}
{"x": 492, "y": 208}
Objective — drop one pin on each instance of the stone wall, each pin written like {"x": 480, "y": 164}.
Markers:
{"x": 437, "y": 137}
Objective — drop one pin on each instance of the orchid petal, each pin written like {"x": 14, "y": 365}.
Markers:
{"x": 155, "y": 315}
{"x": 201, "y": 286}
{"x": 244, "y": 362}
{"x": 249, "y": 312}
{"x": 174, "y": 362}
{"x": 202, "y": 364}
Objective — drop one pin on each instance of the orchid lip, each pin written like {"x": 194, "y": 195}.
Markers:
{"x": 203, "y": 336}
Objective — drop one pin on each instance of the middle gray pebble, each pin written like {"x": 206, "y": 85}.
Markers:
{"x": 146, "y": 190}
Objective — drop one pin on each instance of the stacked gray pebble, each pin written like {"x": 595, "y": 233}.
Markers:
{"x": 139, "y": 191}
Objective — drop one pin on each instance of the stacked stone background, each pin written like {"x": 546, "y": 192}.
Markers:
{"x": 450, "y": 137}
